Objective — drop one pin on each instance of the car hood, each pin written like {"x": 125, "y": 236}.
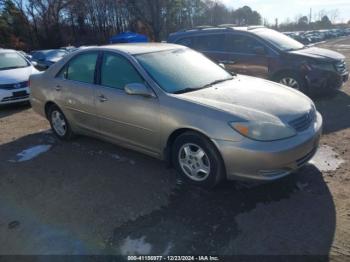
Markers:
{"x": 16, "y": 75}
{"x": 252, "y": 99}
{"x": 319, "y": 53}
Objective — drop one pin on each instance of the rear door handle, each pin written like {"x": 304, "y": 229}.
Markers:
{"x": 58, "y": 88}
{"x": 102, "y": 98}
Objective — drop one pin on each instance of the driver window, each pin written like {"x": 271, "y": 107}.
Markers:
{"x": 117, "y": 71}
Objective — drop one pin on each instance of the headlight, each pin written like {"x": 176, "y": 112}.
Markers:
{"x": 263, "y": 131}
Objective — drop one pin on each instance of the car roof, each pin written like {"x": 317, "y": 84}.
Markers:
{"x": 211, "y": 29}
{"x": 140, "y": 48}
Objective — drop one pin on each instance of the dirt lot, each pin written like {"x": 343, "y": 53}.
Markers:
{"x": 90, "y": 197}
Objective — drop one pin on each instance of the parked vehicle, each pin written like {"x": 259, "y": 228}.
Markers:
{"x": 27, "y": 56}
{"x": 266, "y": 53}
{"x": 45, "y": 58}
{"x": 14, "y": 74}
{"x": 155, "y": 99}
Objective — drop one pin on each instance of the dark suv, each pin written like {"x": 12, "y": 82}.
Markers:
{"x": 266, "y": 53}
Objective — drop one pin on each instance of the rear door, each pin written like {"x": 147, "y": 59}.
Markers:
{"x": 74, "y": 90}
{"x": 246, "y": 55}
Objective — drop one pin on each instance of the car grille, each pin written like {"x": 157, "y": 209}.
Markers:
{"x": 14, "y": 86}
{"x": 341, "y": 67}
{"x": 302, "y": 123}
{"x": 14, "y": 98}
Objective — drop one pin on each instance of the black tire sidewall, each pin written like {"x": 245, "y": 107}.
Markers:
{"x": 69, "y": 134}
{"x": 217, "y": 170}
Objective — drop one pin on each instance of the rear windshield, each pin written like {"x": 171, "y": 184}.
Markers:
{"x": 12, "y": 60}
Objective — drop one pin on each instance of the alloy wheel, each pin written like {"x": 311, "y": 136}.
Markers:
{"x": 58, "y": 123}
{"x": 291, "y": 82}
{"x": 194, "y": 162}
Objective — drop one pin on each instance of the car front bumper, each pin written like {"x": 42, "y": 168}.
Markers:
{"x": 255, "y": 160}
{"x": 324, "y": 81}
{"x": 14, "y": 96}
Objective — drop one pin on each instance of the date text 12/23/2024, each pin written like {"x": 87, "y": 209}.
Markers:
{"x": 173, "y": 258}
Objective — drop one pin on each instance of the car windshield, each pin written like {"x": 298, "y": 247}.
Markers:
{"x": 182, "y": 70}
{"x": 12, "y": 60}
{"x": 279, "y": 40}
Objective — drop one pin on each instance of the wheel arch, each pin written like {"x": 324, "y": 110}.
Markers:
{"x": 286, "y": 71}
{"x": 175, "y": 134}
{"x": 48, "y": 105}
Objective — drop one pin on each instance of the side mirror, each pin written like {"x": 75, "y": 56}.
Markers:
{"x": 259, "y": 50}
{"x": 34, "y": 63}
{"x": 138, "y": 89}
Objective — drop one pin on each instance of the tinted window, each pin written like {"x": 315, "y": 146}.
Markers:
{"x": 116, "y": 71}
{"x": 242, "y": 44}
{"x": 189, "y": 42}
{"x": 210, "y": 42}
{"x": 82, "y": 68}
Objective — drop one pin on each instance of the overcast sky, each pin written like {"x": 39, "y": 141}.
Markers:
{"x": 283, "y": 9}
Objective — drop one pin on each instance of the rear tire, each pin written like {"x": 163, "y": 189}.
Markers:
{"x": 197, "y": 160}
{"x": 59, "y": 123}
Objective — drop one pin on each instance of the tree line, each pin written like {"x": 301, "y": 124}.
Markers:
{"x": 39, "y": 24}
{"x": 33, "y": 24}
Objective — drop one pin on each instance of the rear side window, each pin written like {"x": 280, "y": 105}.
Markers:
{"x": 117, "y": 71}
{"x": 242, "y": 44}
{"x": 81, "y": 68}
{"x": 188, "y": 41}
{"x": 215, "y": 42}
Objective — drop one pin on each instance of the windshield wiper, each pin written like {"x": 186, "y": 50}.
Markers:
{"x": 216, "y": 82}
{"x": 295, "y": 49}
{"x": 11, "y": 67}
{"x": 190, "y": 89}
{"x": 185, "y": 90}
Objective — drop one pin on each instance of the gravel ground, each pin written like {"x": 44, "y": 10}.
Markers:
{"x": 91, "y": 197}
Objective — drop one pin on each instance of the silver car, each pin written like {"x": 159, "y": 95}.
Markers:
{"x": 174, "y": 104}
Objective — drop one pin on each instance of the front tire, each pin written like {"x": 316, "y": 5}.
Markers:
{"x": 59, "y": 123}
{"x": 197, "y": 160}
{"x": 292, "y": 80}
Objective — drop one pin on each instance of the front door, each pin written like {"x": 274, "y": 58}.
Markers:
{"x": 130, "y": 119}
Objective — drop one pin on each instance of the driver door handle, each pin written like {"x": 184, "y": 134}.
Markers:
{"x": 58, "y": 88}
{"x": 102, "y": 98}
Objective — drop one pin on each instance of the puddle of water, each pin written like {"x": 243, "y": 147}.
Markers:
{"x": 326, "y": 159}
{"x": 31, "y": 153}
{"x": 135, "y": 247}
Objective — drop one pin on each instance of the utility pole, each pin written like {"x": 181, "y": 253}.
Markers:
{"x": 310, "y": 17}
